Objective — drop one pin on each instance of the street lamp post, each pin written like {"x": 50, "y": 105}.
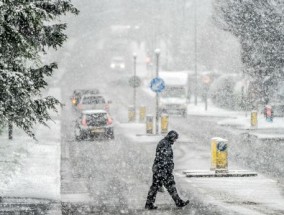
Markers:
{"x": 195, "y": 54}
{"x": 134, "y": 89}
{"x": 157, "y": 52}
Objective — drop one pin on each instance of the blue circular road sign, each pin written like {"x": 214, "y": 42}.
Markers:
{"x": 157, "y": 85}
{"x": 221, "y": 146}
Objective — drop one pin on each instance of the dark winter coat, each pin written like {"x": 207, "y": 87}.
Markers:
{"x": 164, "y": 157}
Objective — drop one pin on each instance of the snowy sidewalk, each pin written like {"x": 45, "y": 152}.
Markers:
{"x": 30, "y": 168}
{"x": 35, "y": 168}
{"x": 241, "y": 121}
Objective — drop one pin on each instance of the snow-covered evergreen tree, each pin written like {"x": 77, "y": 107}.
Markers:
{"x": 27, "y": 29}
{"x": 259, "y": 26}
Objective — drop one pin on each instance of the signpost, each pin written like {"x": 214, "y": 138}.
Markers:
{"x": 134, "y": 82}
{"x": 157, "y": 85}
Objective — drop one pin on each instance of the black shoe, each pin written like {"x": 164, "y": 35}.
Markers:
{"x": 182, "y": 203}
{"x": 151, "y": 207}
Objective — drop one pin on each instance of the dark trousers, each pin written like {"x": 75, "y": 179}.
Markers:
{"x": 166, "y": 179}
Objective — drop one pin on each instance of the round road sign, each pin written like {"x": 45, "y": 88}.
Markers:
{"x": 135, "y": 81}
{"x": 221, "y": 146}
{"x": 157, "y": 85}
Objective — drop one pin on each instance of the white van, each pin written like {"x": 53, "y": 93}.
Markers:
{"x": 174, "y": 99}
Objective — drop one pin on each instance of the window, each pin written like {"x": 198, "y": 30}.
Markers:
{"x": 93, "y": 100}
{"x": 96, "y": 119}
{"x": 174, "y": 92}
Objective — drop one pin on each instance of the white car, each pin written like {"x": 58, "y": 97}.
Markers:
{"x": 92, "y": 102}
{"x": 94, "y": 123}
{"x": 117, "y": 63}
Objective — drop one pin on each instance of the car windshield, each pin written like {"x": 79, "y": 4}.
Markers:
{"x": 92, "y": 91}
{"x": 96, "y": 119}
{"x": 117, "y": 60}
{"x": 174, "y": 92}
{"x": 93, "y": 100}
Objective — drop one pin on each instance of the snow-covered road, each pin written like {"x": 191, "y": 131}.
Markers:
{"x": 114, "y": 176}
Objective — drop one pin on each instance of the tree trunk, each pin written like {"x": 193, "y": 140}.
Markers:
{"x": 10, "y": 130}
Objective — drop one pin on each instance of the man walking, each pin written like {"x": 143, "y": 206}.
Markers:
{"x": 163, "y": 172}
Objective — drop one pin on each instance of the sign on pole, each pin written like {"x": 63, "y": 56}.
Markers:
{"x": 157, "y": 85}
{"x": 135, "y": 81}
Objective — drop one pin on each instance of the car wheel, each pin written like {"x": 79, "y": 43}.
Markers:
{"x": 110, "y": 134}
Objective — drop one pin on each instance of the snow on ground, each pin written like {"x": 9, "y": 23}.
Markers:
{"x": 30, "y": 168}
{"x": 212, "y": 110}
{"x": 37, "y": 172}
{"x": 239, "y": 195}
{"x": 244, "y": 195}
{"x": 244, "y": 123}
{"x": 138, "y": 133}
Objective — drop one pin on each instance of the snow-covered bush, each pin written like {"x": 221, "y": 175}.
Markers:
{"x": 223, "y": 92}
{"x": 259, "y": 27}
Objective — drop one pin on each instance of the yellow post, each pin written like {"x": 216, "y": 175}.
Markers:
{"x": 131, "y": 114}
{"x": 213, "y": 152}
{"x": 253, "y": 119}
{"x": 222, "y": 156}
{"x": 149, "y": 124}
{"x": 164, "y": 123}
{"x": 142, "y": 114}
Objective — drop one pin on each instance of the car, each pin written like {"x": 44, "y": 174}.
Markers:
{"x": 92, "y": 102}
{"x": 94, "y": 123}
{"x": 78, "y": 93}
{"x": 117, "y": 63}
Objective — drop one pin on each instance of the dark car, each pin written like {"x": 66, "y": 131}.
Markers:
{"x": 94, "y": 123}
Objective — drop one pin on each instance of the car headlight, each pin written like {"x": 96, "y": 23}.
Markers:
{"x": 112, "y": 65}
{"x": 122, "y": 66}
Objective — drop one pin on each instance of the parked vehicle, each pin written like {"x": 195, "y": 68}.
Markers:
{"x": 175, "y": 97}
{"x": 94, "y": 123}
